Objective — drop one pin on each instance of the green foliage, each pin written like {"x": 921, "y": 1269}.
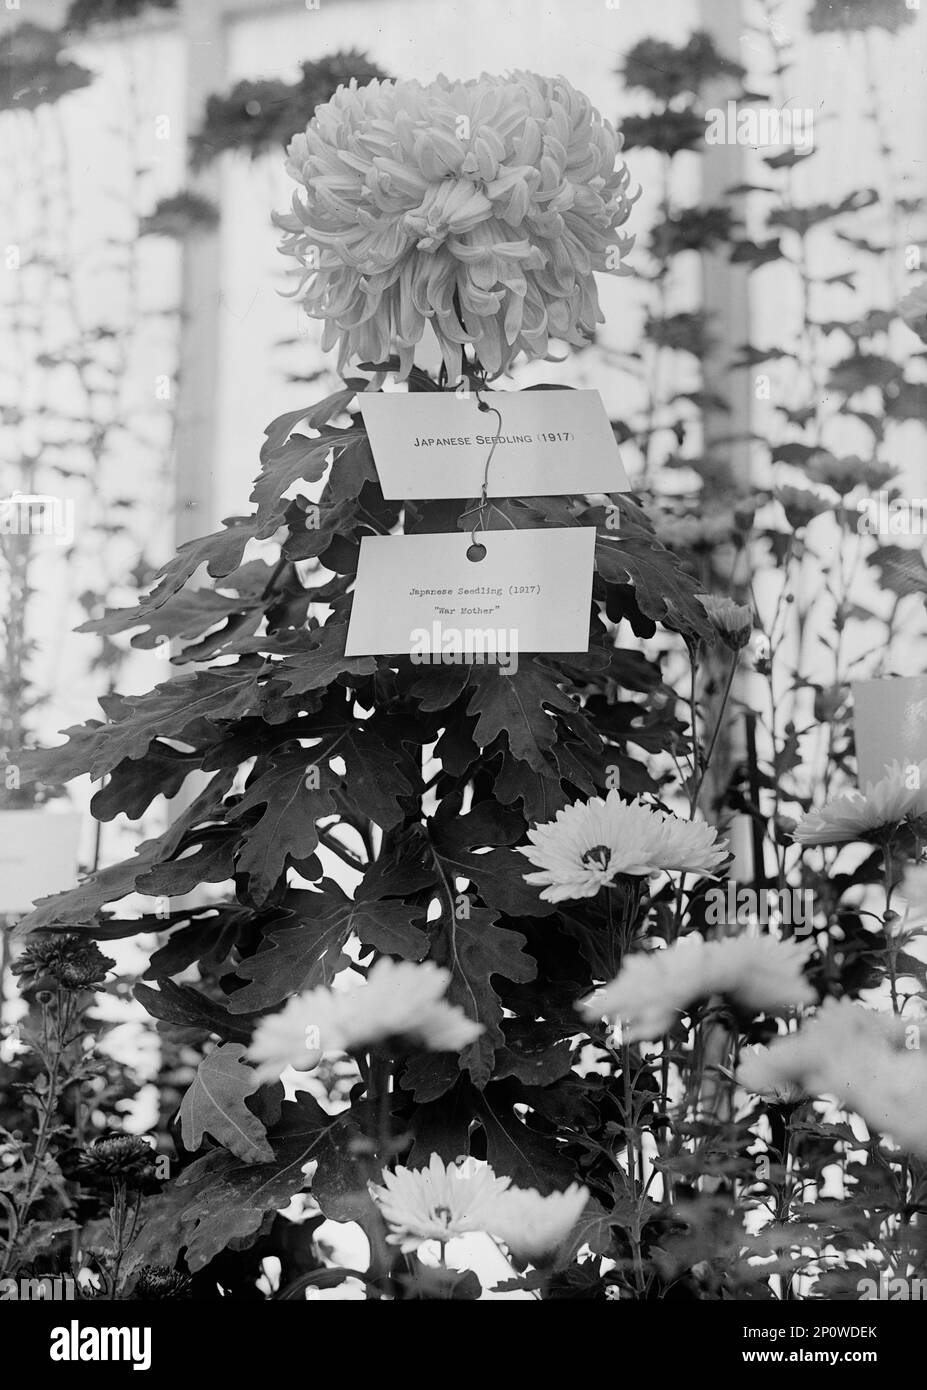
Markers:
{"x": 34, "y": 70}
{"x": 83, "y": 14}
{"x": 258, "y": 116}
{"x": 328, "y": 746}
{"x": 852, "y": 15}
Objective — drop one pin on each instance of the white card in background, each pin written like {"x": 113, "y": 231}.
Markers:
{"x": 435, "y": 444}
{"x": 530, "y": 593}
{"x": 890, "y": 724}
{"x": 38, "y": 856}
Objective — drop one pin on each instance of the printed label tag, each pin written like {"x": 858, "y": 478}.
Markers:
{"x": 421, "y": 595}
{"x": 433, "y": 444}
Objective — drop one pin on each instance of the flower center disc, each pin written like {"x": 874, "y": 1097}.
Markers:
{"x": 599, "y": 855}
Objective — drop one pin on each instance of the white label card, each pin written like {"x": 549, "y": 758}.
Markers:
{"x": 890, "y": 724}
{"x": 432, "y": 444}
{"x": 421, "y": 596}
{"x": 38, "y": 856}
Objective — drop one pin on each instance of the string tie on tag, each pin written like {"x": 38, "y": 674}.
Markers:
{"x": 476, "y": 550}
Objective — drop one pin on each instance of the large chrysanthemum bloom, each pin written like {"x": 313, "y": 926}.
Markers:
{"x": 756, "y": 974}
{"x": 535, "y": 1227}
{"x": 588, "y": 844}
{"x": 480, "y": 207}
{"x": 872, "y": 815}
{"x": 871, "y": 1063}
{"x": 404, "y": 1000}
{"x": 437, "y": 1202}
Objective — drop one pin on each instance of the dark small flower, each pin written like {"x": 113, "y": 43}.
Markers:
{"x": 119, "y": 1158}
{"x": 69, "y": 962}
{"x": 733, "y": 622}
{"x": 801, "y": 504}
{"x": 158, "y": 1281}
{"x": 846, "y": 473}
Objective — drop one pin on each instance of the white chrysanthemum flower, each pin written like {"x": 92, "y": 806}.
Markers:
{"x": 480, "y": 207}
{"x": 588, "y": 844}
{"x": 535, "y": 1227}
{"x": 871, "y": 1063}
{"x": 758, "y": 1074}
{"x": 297, "y": 1036}
{"x": 913, "y": 310}
{"x": 404, "y": 999}
{"x": 758, "y": 974}
{"x": 397, "y": 1000}
{"x": 873, "y": 814}
{"x": 437, "y": 1202}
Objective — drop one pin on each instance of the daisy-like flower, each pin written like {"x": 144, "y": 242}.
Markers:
{"x": 588, "y": 844}
{"x": 913, "y": 310}
{"x": 757, "y": 974}
{"x": 847, "y": 472}
{"x": 872, "y": 1063}
{"x": 874, "y": 814}
{"x": 297, "y": 1036}
{"x": 480, "y": 207}
{"x": 397, "y": 1000}
{"x": 403, "y": 999}
{"x": 437, "y": 1202}
{"x": 801, "y": 504}
{"x": 732, "y": 621}
{"x": 535, "y": 1227}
